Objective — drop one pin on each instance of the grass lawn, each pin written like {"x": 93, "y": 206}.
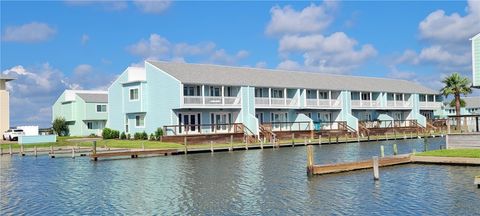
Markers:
{"x": 470, "y": 153}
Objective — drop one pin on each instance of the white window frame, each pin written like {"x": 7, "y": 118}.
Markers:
{"x": 96, "y": 108}
{"x": 130, "y": 95}
{"x": 144, "y": 117}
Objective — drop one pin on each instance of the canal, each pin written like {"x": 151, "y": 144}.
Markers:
{"x": 266, "y": 182}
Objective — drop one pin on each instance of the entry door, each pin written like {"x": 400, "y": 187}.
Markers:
{"x": 324, "y": 117}
{"x": 397, "y": 116}
{"x": 259, "y": 117}
{"x": 101, "y": 126}
{"x": 368, "y": 116}
{"x": 279, "y": 118}
{"x": 221, "y": 121}
{"x": 189, "y": 122}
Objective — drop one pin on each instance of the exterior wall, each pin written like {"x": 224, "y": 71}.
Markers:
{"x": 247, "y": 112}
{"x": 116, "y": 113}
{"x": 37, "y": 139}
{"x": 476, "y": 60}
{"x": 4, "y": 111}
{"x": 346, "y": 113}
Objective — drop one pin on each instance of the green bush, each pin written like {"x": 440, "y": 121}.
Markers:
{"x": 115, "y": 134}
{"x": 60, "y": 127}
{"x": 129, "y": 136}
{"x": 107, "y": 133}
{"x": 137, "y": 136}
{"x": 123, "y": 136}
{"x": 159, "y": 134}
{"x": 152, "y": 137}
{"x": 144, "y": 136}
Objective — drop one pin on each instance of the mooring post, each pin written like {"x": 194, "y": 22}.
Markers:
{"x": 1, "y": 151}
{"x": 10, "y": 149}
{"x": 35, "y": 150}
{"x": 246, "y": 143}
{"x": 310, "y": 161}
{"x": 376, "y": 174}
{"x": 382, "y": 151}
{"x": 211, "y": 146}
{"x": 94, "y": 147}
{"x": 395, "y": 150}
{"x": 319, "y": 139}
{"x": 185, "y": 144}
{"x": 261, "y": 143}
{"x": 52, "y": 155}
{"x": 231, "y": 143}
{"x": 73, "y": 152}
{"x": 293, "y": 139}
{"x": 22, "y": 152}
{"x": 305, "y": 141}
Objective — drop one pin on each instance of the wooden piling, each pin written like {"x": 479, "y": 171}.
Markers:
{"x": 382, "y": 151}
{"x": 94, "y": 147}
{"x": 319, "y": 139}
{"x": 22, "y": 152}
{"x": 10, "y": 149}
{"x": 35, "y": 151}
{"x": 52, "y": 152}
{"x": 305, "y": 141}
{"x": 346, "y": 138}
{"x": 143, "y": 146}
{"x": 211, "y": 146}
{"x": 246, "y": 143}
{"x": 73, "y": 152}
{"x": 395, "y": 150}
{"x": 376, "y": 174}
{"x": 261, "y": 143}
{"x": 293, "y": 139}
{"x": 231, "y": 143}
{"x": 310, "y": 161}
{"x": 185, "y": 145}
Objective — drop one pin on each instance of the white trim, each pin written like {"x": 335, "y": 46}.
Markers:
{"x": 138, "y": 95}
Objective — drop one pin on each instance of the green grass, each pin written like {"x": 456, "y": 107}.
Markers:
{"x": 469, "y": 153}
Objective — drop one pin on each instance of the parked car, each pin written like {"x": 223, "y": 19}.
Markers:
{"x": 12, "y": 134}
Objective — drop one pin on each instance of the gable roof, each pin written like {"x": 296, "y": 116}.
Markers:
{"x": 258, "y": 77}
{"x": 472, "y": 102}
{"x": 94, "y": 97}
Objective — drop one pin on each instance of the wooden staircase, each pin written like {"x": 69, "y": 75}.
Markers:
{"x": 267, "y": 133}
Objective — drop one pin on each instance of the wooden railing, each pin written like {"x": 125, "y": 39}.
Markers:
{"x": 332, "y": 125}
{"x": 288, "y": 126}
{"x": 203, "y": 129}
{"x": 389, "y": 124}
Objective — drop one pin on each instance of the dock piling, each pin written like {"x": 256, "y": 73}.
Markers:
{"x": 310, "y": 161}
{"x": 305, "y": 141}
{"x": 73, "y": 152}
{"x": 382, "y": 151}
{"x": 395, "y": 150}
{"x": 319, "y": 139}
{"x": 246, "y": 143}
{"x": 10, "y": 149}
{"x": 35, "y": 150}
{"x": 231, "y": 143}
{"x": 293, "y": 139}
{"x": 52, "y": 152}
{"x": 94, "y": 147}
{"x": 185, "y": 145}
{"x": 261, "y": 143}
{"x": 22, "y": 152}
{"x": 376, "y": 174}
{"x": 211, "y": 146}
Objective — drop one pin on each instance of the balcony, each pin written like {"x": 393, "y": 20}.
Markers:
{"x": 398, "y": 104}
{"x": 430, "y": 105}
{"x": 211, "y": 101}
{"x": 275, "y": 102}
{"x": 365, "y": 104}
{"x": 324, "y": 103}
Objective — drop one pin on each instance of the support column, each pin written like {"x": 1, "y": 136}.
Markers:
{"x": 203, "y": 94}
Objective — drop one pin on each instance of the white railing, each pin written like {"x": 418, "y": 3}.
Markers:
{"x": 323, "y": 103}
{"x": 312, "y": 102}
{"x": 430, "y": 104}
{"x": 401, "y": 104}
{"x": 262, "y": 101}
{"x": 276, "y": 102}
{"x": 211, "y": 100}
{"x": 365, "y": 103}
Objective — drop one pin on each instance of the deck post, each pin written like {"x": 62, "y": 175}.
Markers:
{"x": 376, "y": 174}
{"x": 73, "y": 152}
{"x": 22, "y": 152}
{"x": 346, "y": 138}
{"x": 293, "y": 139}
{"x": 261, "y": 143}
{"x": 310, "y": 160}
{"x": 382, "y": 151}
{"x": 246, "y": 143}
{"x": 319, "y": 139}
{"x": 211, "y": 146}
{"x": 94, "y": 147}
{"x": 305, "y": 141}
{"x": 185, "y": 144}
{"x": 448, "y": 126}
{"x": 35, "y": 150}
{"x": 52, "y": 152}
{"x": 395, "y": 150}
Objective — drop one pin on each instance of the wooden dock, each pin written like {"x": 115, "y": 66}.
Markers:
{"x": 133, "y": 153}
{"x": 358, "y": 165}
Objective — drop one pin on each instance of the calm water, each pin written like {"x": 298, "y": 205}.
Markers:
{"x": 266, "y": 182}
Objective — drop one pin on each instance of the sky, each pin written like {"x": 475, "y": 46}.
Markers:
{"x": 56, "y": 45}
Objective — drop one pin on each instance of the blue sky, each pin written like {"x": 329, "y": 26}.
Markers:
{"x": 51, "y": 46}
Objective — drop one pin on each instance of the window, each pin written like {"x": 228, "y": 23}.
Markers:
{"x": 191, "y": 90}
{"x": 366, "y": 96}
{"x": 90, "y": 125}
{"x": 399, "y": 97}
{"x": 323, "y": 95}
{"x": 134, "y": 94}
{"x": 140, "y": 121}
{"x": 215, "y": 91}
{"x": 277, "y": 93}
{"x": 101, "y": 108}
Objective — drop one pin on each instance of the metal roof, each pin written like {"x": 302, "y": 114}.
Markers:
{"x": 258, "y": 77}
{"x": 6, "y": 78}
{"x": 94, "y": 97}
{"x": 472, "y": 102}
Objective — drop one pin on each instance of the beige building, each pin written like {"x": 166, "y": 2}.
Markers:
{"x": 4, "y": 104}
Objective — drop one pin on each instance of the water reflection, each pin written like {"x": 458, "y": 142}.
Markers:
{"x": 270, "y": 181}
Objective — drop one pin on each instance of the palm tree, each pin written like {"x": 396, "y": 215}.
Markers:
{"x": 456, "y": 85}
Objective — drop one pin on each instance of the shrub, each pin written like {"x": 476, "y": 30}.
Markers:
{"x": 144, "y": 136}
{"x": 152, "y": 137}
{"x": 123, "y": 136}
{"x": 60, "y": 126}
{"x": 92, "y": 135}
{"x": 159, "y": 134}
{"x": 107, "y": 133}
{"x": 136, "y": 136}
{"x": 115, "y": 134}
{"x": 129, "y": 136}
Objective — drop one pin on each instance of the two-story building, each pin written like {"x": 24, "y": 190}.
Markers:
{"x": 84, "y": 111}
{"x": 201, "y": 99}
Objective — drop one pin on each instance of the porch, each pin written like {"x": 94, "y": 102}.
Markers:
{"x": 382, "y": 127}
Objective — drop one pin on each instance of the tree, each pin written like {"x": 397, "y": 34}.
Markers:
{"x": 60, "y": 126}
{"x": 456, "y": 85}
{"x": 453, "y": 102}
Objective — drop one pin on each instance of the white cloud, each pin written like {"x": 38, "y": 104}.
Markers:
{"x": 313, "y": 18}
{"x": 31, "y": 32}
{"x": 116, "y": 5}
{"x": 336, "y": 53}
{"x": 84, "y": 39}
{"x": 157, "y": 47}
{"x": 151, "y": 6}
{"x": 36, "y": 89}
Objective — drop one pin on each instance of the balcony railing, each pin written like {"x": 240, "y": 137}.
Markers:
{"x": 398, "y": 104}
{"x": 288, "y": 126}
{"x": 365, "y": 103}
{"x": 430, "y": 104}
{"x": 211, "y": 100}
{"x": 324, "y": 103}
{"x": 275, "y": 102}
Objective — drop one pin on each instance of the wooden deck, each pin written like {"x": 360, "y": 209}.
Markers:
{"x": 358, "y": 165}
